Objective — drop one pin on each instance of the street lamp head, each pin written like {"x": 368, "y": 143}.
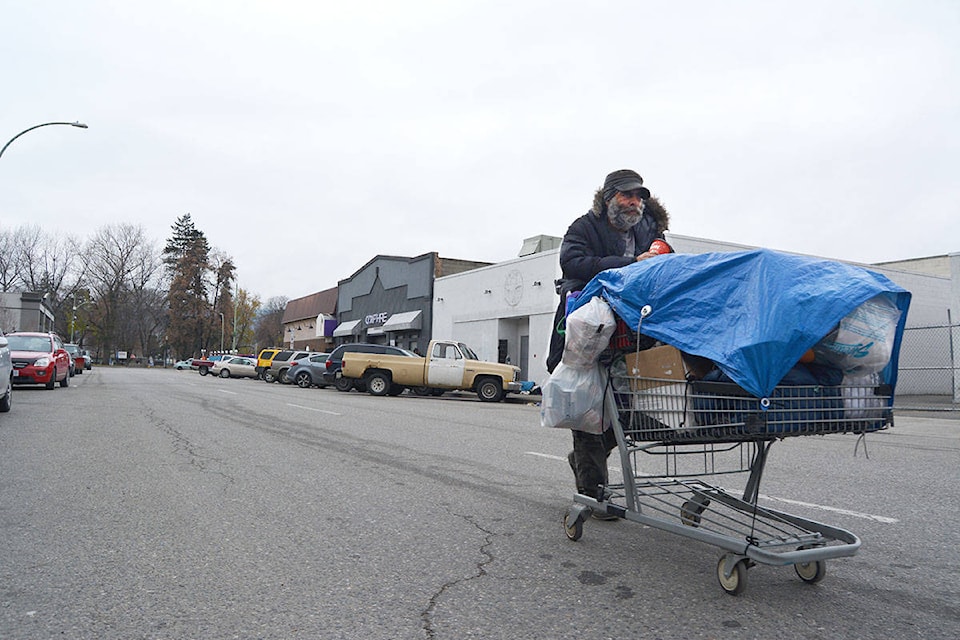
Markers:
{"x": 79, "y": 125}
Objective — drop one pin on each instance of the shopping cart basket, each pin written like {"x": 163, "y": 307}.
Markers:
{"x": 673, "y": 436}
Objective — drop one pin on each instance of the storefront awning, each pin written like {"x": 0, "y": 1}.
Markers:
{"x": 403, "y": 321}
{"x": 345, "y": 328}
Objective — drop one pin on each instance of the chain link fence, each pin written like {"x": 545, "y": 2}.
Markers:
{"x": 929, "y": 377}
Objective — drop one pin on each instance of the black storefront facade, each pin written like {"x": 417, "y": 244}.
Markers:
{"x": 389, "y": 300}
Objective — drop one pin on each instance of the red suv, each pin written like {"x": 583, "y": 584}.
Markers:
{"x": 39, "y": 358}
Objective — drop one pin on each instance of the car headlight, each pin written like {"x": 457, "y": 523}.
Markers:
{"x": 41, "y": 362}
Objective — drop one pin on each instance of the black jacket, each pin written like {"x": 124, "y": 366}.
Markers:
{"x": 590, "y": 246}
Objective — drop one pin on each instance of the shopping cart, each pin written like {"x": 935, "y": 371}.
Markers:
{"x": 673, "y": 436}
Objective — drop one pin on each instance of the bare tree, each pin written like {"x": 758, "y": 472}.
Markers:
{"x": 121, "y": 262}
{"x": 269, "y": 326}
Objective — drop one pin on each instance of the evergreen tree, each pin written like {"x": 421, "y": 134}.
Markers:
{"x": 187, "y": 259}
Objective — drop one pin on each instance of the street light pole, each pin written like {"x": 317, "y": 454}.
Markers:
{"x": 73, "y": 318}
{"x": 221, "y": 332}
{"x": 45, "y": 124}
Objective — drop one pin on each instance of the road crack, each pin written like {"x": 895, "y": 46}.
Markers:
{"x": 426, "y": 615}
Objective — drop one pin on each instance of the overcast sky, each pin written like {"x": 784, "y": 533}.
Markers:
{"x": 304, "y": 138}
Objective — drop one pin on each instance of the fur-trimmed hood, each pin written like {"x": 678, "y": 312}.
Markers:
{"x": 653, "y": 208}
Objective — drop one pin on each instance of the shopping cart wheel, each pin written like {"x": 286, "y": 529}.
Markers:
{"x": 573, "y": 523}
{"x": 811, "y": 572}
{"x": 732, "y": 574}
{"x": 691, "y": 510}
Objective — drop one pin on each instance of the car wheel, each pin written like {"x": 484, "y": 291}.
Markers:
{"x": 66, "y": 380}
{"x": 490, "y": 390}
{"x": 224, "y": 373}
{"x": 268, "y": 377}
{"x": 282, "y": 376}
{"x": 378, "y": 383}
{"x": 343, "y": 384}
{"x": 53, "y": 382}
{"x": 303, "y": 380}
{"x": 203, "y": 370}
{"x": 7, "y": 400}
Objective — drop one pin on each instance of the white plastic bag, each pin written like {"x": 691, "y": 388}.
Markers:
{"x": 588, "y": 333}
{"x": 860, "y": 401}
{"x": 863, "y": 341}
{"x": 573, "y": 399}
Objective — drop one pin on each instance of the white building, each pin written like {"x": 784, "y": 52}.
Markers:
{"x": 506, "y": 310}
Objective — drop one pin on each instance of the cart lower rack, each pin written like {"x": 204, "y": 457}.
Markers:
{"x": 683, "y": 432}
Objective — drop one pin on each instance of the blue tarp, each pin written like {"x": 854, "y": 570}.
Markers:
{"x": 754, "y": 313}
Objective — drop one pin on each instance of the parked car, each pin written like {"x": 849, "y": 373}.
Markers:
{"x": 235, "y": 367}
{"x": 280, "y": 363}
{"x": 87, "y": 360}
{"x": 6, "y": 375}
{"x": 39, "y": 358}
{"x": 265, "y": 357}
{"x": 183, "y": 364}
{"x": 307, "y": 372}
{"x": 335, "y": 363}
{"x": 76, "y": 355}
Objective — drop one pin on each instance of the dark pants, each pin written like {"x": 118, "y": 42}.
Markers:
{"x": 589, "y": 460}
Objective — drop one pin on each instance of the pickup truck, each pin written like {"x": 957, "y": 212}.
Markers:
{"x": 203, "y": 365}
{"x": 448, "y": 365}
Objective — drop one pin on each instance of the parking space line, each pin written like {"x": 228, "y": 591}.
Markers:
{"x": 809, "y": 505}
{"x": 300, "y": 406}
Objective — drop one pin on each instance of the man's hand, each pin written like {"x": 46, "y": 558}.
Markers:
{"x": 645, "y": 255}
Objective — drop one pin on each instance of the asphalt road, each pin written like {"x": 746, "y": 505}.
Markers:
{"x": 147, "y": 503}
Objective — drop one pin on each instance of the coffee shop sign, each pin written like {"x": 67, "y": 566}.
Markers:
{"x": 375, "y": 318}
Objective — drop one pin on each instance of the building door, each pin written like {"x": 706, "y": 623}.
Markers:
{"x": 524, "y": 354}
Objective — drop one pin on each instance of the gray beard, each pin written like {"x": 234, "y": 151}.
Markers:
{"x": 623, "y": 218}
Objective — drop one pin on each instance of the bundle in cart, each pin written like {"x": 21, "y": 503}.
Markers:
{"x": 756, "y": 346}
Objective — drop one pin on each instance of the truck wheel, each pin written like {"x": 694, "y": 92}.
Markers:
{"x": 268, "y": 377}
{"x": 303, "y": 380}
{"x": 396, "y": 389}
{"x": 203, "y": 370}
{"x": 421, "y": 391}
{"x": 343, "y": 384}
{"x": 490, "y": 390}
{"x": 378, "y": 384}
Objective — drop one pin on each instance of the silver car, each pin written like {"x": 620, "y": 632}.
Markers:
{"x": 308, "y": 371}
{"x": 6, "y": 375}
{"x": 235, "y": 367}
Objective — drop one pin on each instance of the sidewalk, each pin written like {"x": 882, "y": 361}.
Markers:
{"x": 927, "y": 406}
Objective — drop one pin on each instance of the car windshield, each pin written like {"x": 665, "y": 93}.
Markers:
{"x": 468, "y": 352}
{"x": 73, "y": 349}
{"x": 30, "y": 343}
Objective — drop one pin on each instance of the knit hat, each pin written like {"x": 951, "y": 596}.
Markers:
{"x": 623, "y": 180}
